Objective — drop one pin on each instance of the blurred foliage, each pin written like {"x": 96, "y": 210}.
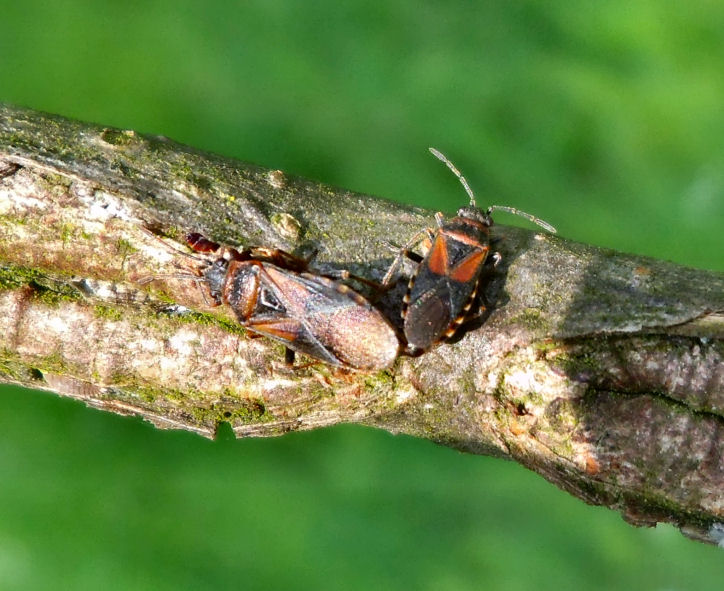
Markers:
{"x": 604, "y": 118}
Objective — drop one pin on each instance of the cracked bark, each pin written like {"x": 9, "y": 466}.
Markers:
{"x": 599, "y": 370}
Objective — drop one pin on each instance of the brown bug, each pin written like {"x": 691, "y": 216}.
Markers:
{"x": 444, "y": 286}
{"x": 272, "y": 293}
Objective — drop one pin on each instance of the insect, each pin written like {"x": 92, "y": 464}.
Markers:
{"x": 272, "y": 293}
{"x": 444, "y": 286}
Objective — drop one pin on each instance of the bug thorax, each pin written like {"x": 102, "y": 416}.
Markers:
{"x": 475, "y": 213}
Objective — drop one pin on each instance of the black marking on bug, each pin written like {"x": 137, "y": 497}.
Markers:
{"x": 442, "y": 290}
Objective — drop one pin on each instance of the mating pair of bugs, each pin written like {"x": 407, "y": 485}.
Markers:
{"x": 274, "y": 294}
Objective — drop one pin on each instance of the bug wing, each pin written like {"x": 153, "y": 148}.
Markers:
{"x": 428, "y": 316}
{"x": 330, "y": 321}
{"x": 347, "y": 325}
{"x": 278, "y": 313}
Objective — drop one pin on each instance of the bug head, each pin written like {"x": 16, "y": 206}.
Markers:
{"x": 472, "y": 212}
{"x": 215, "y": 276}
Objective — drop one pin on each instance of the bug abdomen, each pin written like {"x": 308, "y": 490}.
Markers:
{"x": 427, "y": 317}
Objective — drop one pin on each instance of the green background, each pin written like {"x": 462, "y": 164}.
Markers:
{"x": 604, "y": 118}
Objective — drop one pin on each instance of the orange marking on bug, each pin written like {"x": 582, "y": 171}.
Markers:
{"x": 469, "y": 267}
{"x": 249, "y": 290}
{"x": 438, "y": 261}
{"x": 286, "y": 330}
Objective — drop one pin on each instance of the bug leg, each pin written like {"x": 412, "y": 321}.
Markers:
{"x": 410, "y": 254}
{"x": 406, "y": 251}
{"x": 414, "y": 257}
{"x": 345, "y": 275}
{"x": 289, "y": 356}
{"x": 211, "y": 303}
{"x": 279, "y": 257}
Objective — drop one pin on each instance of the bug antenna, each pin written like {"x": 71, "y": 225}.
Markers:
{"x": 173, "y": 248}
{"x": 185, "y": 276}
{"x": 542, "y": 223}
{"x": 440, "y": 156}
{"x": 181, "y": 275}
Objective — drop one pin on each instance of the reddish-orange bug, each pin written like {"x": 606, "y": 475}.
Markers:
{"x": 443, "y": 288}
{"x": 272, "y": 293}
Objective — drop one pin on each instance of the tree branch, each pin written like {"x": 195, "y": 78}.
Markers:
{"x": 599, "y": 370}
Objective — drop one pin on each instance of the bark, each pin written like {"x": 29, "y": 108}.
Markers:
{"x": 599, "y": 370}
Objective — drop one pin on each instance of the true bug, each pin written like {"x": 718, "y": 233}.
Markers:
{"x": 441, "y": 291}
{"x": 272, "y": 293}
